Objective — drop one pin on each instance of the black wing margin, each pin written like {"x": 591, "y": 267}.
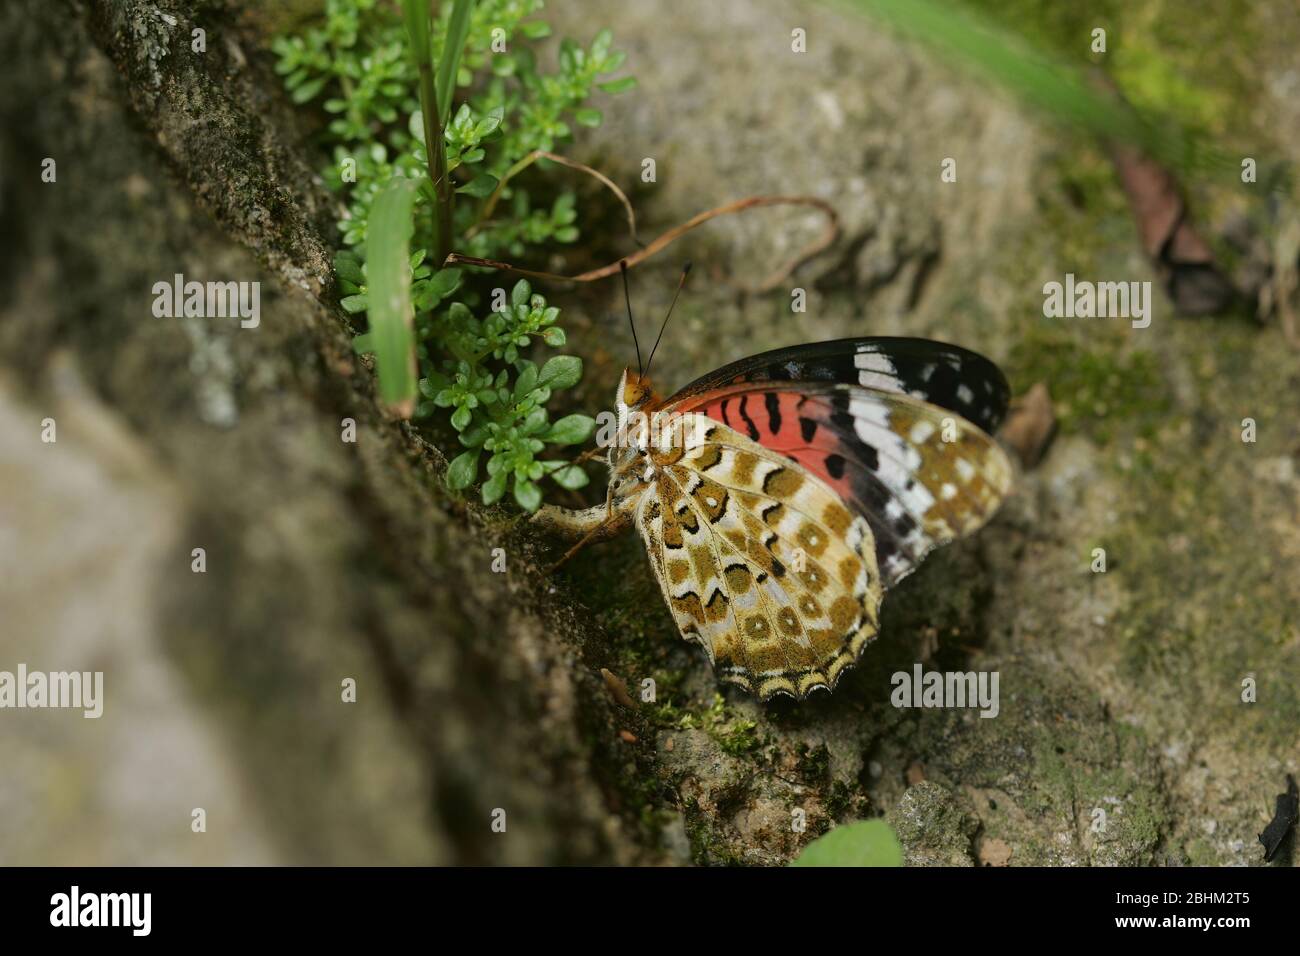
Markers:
{"x": 946, "y": 375}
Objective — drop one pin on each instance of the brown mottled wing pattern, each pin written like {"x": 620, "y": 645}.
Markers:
{"x": 918, "y": 473}
{"x": 759, "y": 560}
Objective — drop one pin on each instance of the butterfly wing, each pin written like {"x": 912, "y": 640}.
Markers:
{"x": 759, "y": 561}
{"x": 917, "y": 473}
{"x": 949, "y": 376}
{"x": 803, "y": 483}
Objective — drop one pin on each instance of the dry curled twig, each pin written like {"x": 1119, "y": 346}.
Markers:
{"x": 773, "y": 280}
{"x": 534, "y": 156}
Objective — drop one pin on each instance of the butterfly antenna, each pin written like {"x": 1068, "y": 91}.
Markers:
{"x": 686, "y": 270}
{"x": 622, "y": 267}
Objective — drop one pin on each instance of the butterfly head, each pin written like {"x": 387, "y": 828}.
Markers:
{"x": 634, "y": 405}
{"x": 636, "y": 392}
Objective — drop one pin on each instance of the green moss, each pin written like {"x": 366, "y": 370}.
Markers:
{"x": 1099, "y": 386}
{"x": 814, "y": 765}
{"x": 739, "y": 738}
{"x": 1189, "y": 72}
{"x": 843, "y": 798}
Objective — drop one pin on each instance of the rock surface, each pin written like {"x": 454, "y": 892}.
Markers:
{"x": 1121, "y": 736}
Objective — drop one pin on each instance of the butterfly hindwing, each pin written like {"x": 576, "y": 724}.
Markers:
{"x": 917, "y": 473}
{"x": 949, "y": 376}
{"x": 760, "y": 562}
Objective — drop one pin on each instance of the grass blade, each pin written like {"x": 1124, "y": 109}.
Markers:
{"x": 967, "y": 38}
{"x": 453, "y": 45}
{"x": 388, "y": 270}
{"x": 416, "y": 15}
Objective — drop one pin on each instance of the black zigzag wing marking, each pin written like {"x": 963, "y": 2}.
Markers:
{"x": 946, "y": 375}
{"x": 900, "y": 538}
{"x": 870, "y": 444}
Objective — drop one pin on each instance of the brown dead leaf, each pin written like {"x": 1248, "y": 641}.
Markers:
{"x": 1030, "y": 425}
{"x": 915, "y": 773}
{"x": 1184, "y": 260}
{"x": 617, "y": 688}
{"x": 994, "y": 853}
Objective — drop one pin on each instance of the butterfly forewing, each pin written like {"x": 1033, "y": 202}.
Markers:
{"x": 918, "y": 474}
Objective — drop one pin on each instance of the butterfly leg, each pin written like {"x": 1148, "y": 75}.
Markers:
{"x": 593, "y": 524}
{"x": 570, "y": 523}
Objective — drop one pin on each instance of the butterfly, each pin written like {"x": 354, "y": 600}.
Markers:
{"x": 780, "y": 496}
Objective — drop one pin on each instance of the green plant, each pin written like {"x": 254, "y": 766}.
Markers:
{"x": 467, "y": 78}
{"x": 968, "y": 37}
{"x": 865, "y": 843}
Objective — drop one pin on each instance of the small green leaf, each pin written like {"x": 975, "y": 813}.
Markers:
{"x": 528, "y": 495}
{"x": 463, "y": 470}
{"x": 463, "y": 122}
{"x": 865, "y": 843}
{"x": 520, "y": 294}
{"x": 480, "y": 186}
{"x": 347, "y": 267}
{"x": 571, "y": 430}
{"x": 569, "y": 55}
{"x": 309, "y": 89}
{"x": 534, "y": 422}
{"x": 571, "y": 477}
{"x": 415, "y": 126}
{"x": 562, "y": 371}
{"x": 490, "y": 122}
{"x": 444, "y": 282}
{"x": 588, "y": 116}
{"x": 354, "y": 303}
{"x": 527, "y": 380}
{"x": 621, "y": 85}
{"x": 495, "y": 487}
{"x": 554, "y": 337}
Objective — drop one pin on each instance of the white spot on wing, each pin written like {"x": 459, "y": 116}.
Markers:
{"x": 876, "y": 371}
{"x": 878, "y": 381}
{"x": 873, "y": 362}
{"x": 917, "y": 499}
{"x": 866, "y": 409}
